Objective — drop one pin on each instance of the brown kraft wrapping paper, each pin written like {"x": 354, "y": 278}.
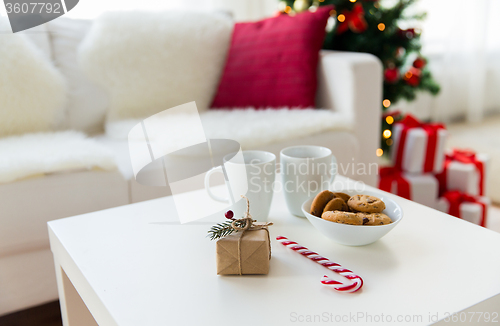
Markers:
{"x": 254, "y": 253}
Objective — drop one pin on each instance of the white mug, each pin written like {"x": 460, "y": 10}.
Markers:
{"x": 305, "y": 171}
{"x": 258, "y": 181}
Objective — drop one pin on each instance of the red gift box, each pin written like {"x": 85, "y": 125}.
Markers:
{"x": 418, "y": 147}
{"x": 471, "y": 208}
{"x": 464, "y": 171}
{"x": 421, "y": 188}
{"x": 390, "y": 175}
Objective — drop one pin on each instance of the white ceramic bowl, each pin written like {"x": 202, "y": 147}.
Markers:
{"x": 356, "y": 235}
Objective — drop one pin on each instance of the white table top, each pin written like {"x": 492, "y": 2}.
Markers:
{"x": 136, "y": 265}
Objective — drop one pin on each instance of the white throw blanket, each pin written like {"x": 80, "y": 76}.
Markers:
{"x": 42, "y": 153}
{"x": 252, "y": 128}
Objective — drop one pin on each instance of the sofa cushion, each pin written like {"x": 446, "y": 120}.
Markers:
{"x": 87, "y": 101}
{"x": 38, "y": 154}
{"x": 152, "y": 61}
{"x": 273, "y": 62}
{"x": 32, "y": 90}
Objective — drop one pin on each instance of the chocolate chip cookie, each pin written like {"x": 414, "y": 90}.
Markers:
{"x": 366, "y": 204}
{"x": 375, "y": 219}
{"x": 344, "y": 197}
{"x": 320, "y": 201}
{"x": 336, "y": 204}
{"x": 343, "y": 217}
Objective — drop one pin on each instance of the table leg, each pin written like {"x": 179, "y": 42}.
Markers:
{"x": 74, "y": 312}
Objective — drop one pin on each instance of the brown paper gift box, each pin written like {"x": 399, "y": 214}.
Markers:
{"x": 255, "y": 253}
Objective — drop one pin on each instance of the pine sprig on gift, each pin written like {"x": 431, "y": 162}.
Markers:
{"x": 221, "y": 230}
{"x": 224, "y": 229}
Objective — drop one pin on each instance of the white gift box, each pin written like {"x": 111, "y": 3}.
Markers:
{"x": 471, "y": 212}
{"x": 465, "y": 176}
{"x": 424, "y": 188}
{"x": 415, "y": 149}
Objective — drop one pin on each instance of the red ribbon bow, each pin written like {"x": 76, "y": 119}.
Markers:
{"x": 390, "y": 174}
{"x": 410, "y": 122}
{"x": 456, "y": 198}
{"x": 354, "y": 20}
{"x": 463, "y": 155}
{"x": 466, "y": 157}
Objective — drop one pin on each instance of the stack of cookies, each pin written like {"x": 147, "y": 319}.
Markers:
{"x": 341, "y": 208}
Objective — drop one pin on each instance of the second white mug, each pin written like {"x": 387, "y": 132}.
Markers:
{"x": 305, "y": 171}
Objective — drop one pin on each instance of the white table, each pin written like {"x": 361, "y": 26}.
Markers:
{"x": 136, "y": 265}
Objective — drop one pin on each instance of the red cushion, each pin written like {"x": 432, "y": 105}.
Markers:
{"x": 273, "y": 62}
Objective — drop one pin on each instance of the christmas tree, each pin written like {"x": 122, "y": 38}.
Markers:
{"x": 367, "y": 26}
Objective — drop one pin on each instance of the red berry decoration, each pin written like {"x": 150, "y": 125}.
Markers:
{"x": 229, "y": 214}
{"x": 412, "y": 77}
{"x": 391, "y": 75}
{"x": 419, "y": 63}
{"x": 406, "y": 33}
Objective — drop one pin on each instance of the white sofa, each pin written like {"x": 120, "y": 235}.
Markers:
{"x": 349, "y": 84}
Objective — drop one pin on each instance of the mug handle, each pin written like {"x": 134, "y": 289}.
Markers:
{"x": 207, "y": 185}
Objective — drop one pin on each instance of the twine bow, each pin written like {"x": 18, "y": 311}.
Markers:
{"x": 248, "y": 223}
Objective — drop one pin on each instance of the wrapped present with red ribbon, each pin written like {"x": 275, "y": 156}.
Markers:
{"x": 470, "y": 208}
{"x": 418, "y": 147}
{"x": 465, "y": 171}
{"x": 421, "y": 188}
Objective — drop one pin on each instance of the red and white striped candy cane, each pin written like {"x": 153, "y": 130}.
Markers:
{"x": 339, "y": 286}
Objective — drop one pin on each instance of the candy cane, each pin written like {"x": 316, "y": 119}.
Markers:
{"x": 339, "y": 286}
